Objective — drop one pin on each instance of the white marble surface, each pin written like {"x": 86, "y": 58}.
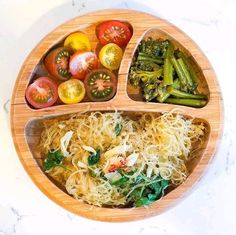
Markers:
{"x": 208, "y": 210}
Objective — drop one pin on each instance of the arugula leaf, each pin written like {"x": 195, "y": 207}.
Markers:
{"x": 150, "y": 190}
{"x": 118, "y": 128}
{"x": 54, "y": 158}
{"x": 121, "y": 181}
{"x": 94, "y": 158}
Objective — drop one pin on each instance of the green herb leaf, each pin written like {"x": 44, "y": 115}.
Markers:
{"x": 54, "y": 158}
{"x": 143, "y": 201}
{"x": 150, "y": 190}
{"x": 121, "y": 181}
{"x": 94, "y": 158}
{"x": 152, "y": 196}
{"x": 118, "y": 128}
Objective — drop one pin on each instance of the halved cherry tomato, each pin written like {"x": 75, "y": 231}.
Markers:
{"x": 42, "y": 93}
{"x": 100, "y": 85}
{"x": 57, "y": 63}
{"x": 78, "y": 42}
{"x": 114, "y": 31}
{"x": 81, "y": 63}
{"x": 110, "y": 56}
{"x": 71, "y": 91}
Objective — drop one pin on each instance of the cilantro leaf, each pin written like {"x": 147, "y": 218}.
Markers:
{"x": 54, "y": 158}
{"x": 94, "y": 158}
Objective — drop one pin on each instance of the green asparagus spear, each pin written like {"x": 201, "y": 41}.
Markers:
{"x": 168, "y": 68}
{"x": 187, "y": 102}
{"x": 186, "y": 74}
{"x": 168, "y": 72}
{"x": 190, "y": 67}
{"x": 163, "y": 93}
{"x": 179, "y": 72}
{"x": 182, "y": 94}
{"x": 143, "y": 57}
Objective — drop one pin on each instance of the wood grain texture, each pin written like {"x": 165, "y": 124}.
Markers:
{"x": 143, "y": 25}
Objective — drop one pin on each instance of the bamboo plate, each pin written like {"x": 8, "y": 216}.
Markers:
{"x": 24, "y": 120}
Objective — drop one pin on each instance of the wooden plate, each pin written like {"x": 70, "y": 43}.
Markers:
{"x": 25, "y": 128}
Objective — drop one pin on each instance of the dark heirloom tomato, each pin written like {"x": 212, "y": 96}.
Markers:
{"x": 100, "y": 85}
{"x": 42, "y": 93}
{"x": 113, "y": 31}
{"x": 57, "y": 63}
{"x": 81, "y": 63}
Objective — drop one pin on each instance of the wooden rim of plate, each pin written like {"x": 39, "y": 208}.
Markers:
{"x": 141, "y": 22}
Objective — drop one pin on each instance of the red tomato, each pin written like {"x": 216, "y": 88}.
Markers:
{"x": 57, "y": 63}
{"x": 114, "y": 31}
{"x": 42, "y": 93}
{"x": 81, "y": 63}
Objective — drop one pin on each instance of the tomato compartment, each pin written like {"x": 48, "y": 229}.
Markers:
{"x": 77, "y": 55}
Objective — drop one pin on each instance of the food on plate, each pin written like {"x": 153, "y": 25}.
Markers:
{"x": 78, "y": 41}
{"x": 100, "y": 85}
{"x": 110, "y": 56}
{"x": 71, "y": 91}
{"x": 42, "y": 93}
{"x": 116, "y": 159}
{"x": 82, "y": 62}
{"x": 57, "y": 63}
{"x": 165, "y": 74}
{"x": 114, "y": 31}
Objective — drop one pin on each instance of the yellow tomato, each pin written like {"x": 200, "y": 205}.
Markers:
{"x": 78, "y": 42}
{"x": 71, "y": 91}
{"x": 110, "y": 56}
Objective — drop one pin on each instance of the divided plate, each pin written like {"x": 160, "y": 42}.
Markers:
{"x": 25, "y": 120}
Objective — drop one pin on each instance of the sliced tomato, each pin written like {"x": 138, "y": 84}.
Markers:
{"x": 81, "y": 63}
{"x": 100, "y": 85}
{"x": 110, "y": 56}
{"x": 78, "y": 41}
{"x": 42, "y": 93}
{"x": 114, "y": 31}
{"x": 71, "y": 91}
{"x": 57, "y": 63}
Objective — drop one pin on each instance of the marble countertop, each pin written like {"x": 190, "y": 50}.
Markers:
{"x": 208, "y": 210}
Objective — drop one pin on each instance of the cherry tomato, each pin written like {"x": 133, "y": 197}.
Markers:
{"x": 57, "y": 63}
{"x": 78, "y": 42}
{"x": 114, "y": 31}
{"x": 81, "y": 63}
{"x": 42, "y": 93}
{"x": 110, "y": 56}
{"x": 100, "y": 85}
{"x": 71, "y": 91}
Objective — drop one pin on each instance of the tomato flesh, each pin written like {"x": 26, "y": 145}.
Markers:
{"x": 110, "y": 56}
{"x": 114, "y": 31}
{"x": 42, "y": 93}
{"x": 57, "y": 63}
{"x": 71, "y": 91}
{"x": 100, "y": 85}
{"x": 81, "y": 63}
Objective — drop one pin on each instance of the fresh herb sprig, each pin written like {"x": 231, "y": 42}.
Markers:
{"x": 53, "y": 159}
